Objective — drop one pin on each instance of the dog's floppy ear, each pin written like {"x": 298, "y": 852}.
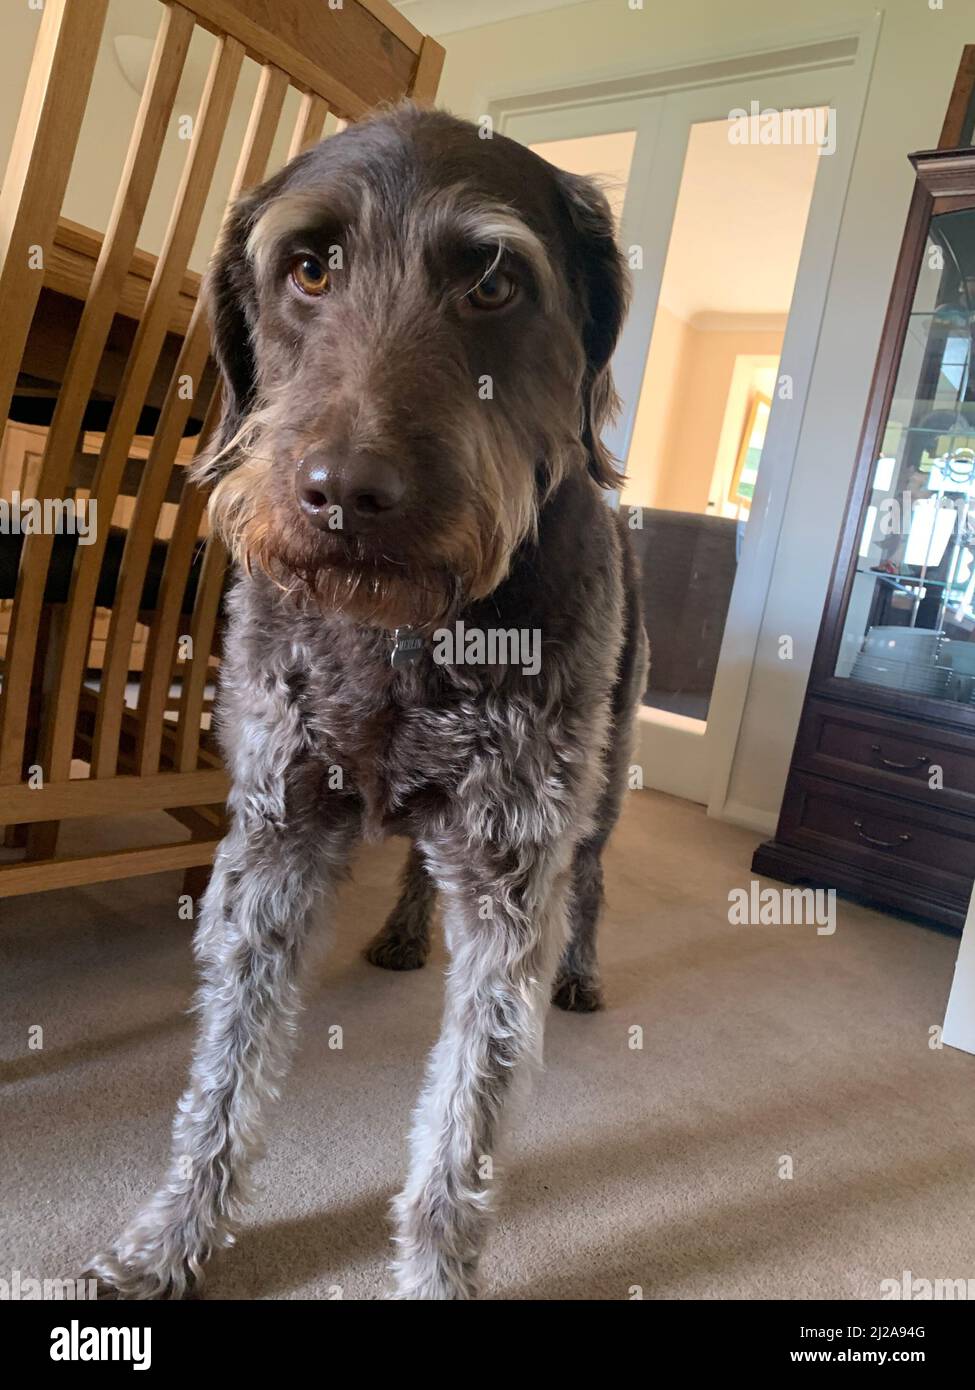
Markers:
{"x": 231, "y": 296}
{"x": 606, "y": 287}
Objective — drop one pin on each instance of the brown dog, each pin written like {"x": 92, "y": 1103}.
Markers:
{"x": 415, "y": 328}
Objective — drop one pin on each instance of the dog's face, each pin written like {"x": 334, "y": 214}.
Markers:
{"x": 414, "y": 326}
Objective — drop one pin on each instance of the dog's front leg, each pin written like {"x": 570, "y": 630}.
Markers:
{"x": 264, "y": 895}
{"x": 505, "y": 927}
{"x": 404, "y": 941}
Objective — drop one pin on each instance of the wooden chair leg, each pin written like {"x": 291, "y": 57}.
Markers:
{"x": 195, "y": 881}
{"x": 39, "y": 839}
{"x": 42, "y": 839}
{"x": 35, "y": 702}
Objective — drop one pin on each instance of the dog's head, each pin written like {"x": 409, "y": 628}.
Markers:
{"x": 414, "y": 327}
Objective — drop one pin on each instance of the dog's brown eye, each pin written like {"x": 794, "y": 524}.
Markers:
{"x": 495, "y": 291}
{"x": 309, "y": 275}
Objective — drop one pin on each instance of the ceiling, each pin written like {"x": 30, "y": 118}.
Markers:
{"x": 439, "y": 17}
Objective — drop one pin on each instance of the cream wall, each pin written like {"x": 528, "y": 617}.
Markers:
{"x": 702, "y": 397}
{"x": 608, "y": 157}
{"x": 682, "y": 410}
{"x": 651, "y": 431}
{"x": 750, "y": 375}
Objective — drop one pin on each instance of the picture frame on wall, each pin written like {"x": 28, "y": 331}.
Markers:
{"x": 749, "y": 458}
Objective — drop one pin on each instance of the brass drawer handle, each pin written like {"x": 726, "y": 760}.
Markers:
{"x": 881, "y": 844}
{"x": 921, "y": 761}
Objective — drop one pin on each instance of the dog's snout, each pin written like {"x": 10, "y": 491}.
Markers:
{"x": 350, "y": 492}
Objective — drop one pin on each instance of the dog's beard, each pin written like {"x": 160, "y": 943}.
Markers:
{"x": 354, "y": 578}
{"x": 464, "y": 560}
{"x": 375, "y": 595}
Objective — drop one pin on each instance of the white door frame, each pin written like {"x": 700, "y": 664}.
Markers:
{"x": 824, "y": 67}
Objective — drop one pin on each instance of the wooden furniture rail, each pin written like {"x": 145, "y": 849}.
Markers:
{"x": 55, "y": 723}
{"x": 71, "y": 267}
{"x": 68, "y": 274}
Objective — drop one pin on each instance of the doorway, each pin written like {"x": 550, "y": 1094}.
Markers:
{"x": 714, "y": 362}
{"x": 708, "y": 387}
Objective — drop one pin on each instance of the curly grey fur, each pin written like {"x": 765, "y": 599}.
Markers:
{"x": 507, "y": 783}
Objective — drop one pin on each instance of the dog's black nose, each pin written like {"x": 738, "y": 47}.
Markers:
{"x": 349, "y": 492}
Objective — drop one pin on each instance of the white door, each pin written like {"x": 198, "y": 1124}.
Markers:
{"x": 681, "y": 752}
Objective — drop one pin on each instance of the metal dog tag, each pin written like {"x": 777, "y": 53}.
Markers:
{"x": 407, "y": 647}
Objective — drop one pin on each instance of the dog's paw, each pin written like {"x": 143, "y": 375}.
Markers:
{"x": 392, "y": 952}
{"x": 431, "y": 1291}
{"x": 578, "y": 994}
{"x": 147, "y": 1277}
{"x": 432, "y": 1281}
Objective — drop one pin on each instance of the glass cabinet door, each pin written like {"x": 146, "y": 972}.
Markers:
{"x": 910, "y": 621}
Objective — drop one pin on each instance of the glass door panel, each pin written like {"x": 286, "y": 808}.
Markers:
{"x": 910, "y": 622}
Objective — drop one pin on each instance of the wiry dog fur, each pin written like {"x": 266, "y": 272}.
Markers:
{"x": 507, "y": 783}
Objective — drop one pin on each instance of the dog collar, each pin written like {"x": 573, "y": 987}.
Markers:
{"x": 408, "y": 645}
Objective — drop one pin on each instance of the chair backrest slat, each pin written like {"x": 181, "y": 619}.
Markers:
{"x": 58, "y": 732}
{"x": 115, "y": 256}
{"x": 309, "y": 125}
{"x": 139, "y": 538}
{"x": 40, "y": 163}
{"x": 202, "y": 628}
{"x": 426, "y": 76}
{"x": 261, "y": 129}
{"x": 251, "y": 166}
{"x": 157, "y": 668}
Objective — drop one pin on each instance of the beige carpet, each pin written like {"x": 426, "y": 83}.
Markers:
{"x": 657, "y": 1168}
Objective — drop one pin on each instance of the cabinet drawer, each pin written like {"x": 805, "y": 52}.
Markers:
{"x": 887, "y": 754}
{"x": 883, "y": 837}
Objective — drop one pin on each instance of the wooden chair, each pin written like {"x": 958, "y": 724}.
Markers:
{"x": 55, "y": 725}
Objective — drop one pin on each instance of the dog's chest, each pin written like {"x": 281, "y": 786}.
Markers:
{"x": 393, "y": 741}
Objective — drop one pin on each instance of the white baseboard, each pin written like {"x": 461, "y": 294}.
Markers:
{"x": 750, "y": 817}
{"x": 959, "y": 1026}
